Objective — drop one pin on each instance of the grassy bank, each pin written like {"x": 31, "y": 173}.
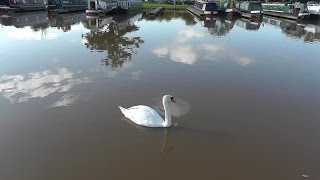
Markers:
{"x": 165, "y": 6}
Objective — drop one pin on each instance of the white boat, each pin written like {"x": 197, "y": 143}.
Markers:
{"x": 96, "y": 7}
{"x": 314, "y": 8}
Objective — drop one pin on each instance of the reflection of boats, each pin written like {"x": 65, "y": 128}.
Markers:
{"x": 288, "y": 27}
{"x": 313, "y": 8}
{"x": 22, "y": 5}
{"x": 310, "y": 32}
{"x": 247, "y": 24}
{"x": 108, "y": 34}
{"x": 98, "y": 24}
{"x": 230, "y": 23}
{"x": 217, "y": 26}
{"x": 96, "y": 7}
{"x": 206, "y": 22}
{"x": 206, "y": 7}
{"x": 34, "y": 19}
{"x": 65, "y": 21}
{"x": 40, "y": 20}
{"x": 286, "y": 10}
{"x": 62, "y": 6}
{"x": 312, "y": 28}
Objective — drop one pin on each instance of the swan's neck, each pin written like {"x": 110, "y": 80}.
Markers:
{"x": 167, "y": 118}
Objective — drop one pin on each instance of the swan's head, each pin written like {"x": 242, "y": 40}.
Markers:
{"x": 168, "y": 98}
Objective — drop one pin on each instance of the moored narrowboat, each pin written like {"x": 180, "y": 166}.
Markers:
{"x": 126, "y": 6}
{"x": 206, "y": 7}
{"x": 63, "y": 6}
{"x": 286, "y": 10}
{"x": 249, "y": 9}
{"x": 97, "y": 7}
{"x": 228, "y": 6}
{"x": 22, "y": 5}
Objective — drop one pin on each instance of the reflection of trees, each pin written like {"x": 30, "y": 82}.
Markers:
{"x": 222, "y": 27}
{"x": 169, "y": 15}
{"x": 309, "y": 32}
{"x": 113, "y": 40}
{"x": 311, "y": 37}
{"x": 38, "y": 27}
{"x": 292, "y": 29}
{"x": 219, "y": 26}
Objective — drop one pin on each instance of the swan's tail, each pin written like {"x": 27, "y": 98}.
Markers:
{"x": 122, "y": 109}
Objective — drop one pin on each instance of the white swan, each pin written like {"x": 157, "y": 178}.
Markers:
{"x": 146, "y": 116}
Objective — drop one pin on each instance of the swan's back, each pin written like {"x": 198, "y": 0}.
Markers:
{"x": 143, "y": 115}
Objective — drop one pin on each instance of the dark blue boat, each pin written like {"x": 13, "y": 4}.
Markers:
{"x": 63, "y": 6}
{"x": 22, "y": 5}
{"x": 206, "y": 7}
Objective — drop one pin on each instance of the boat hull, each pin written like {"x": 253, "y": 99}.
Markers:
{"x": 286, "y": 15}
{"x": 23, "y": 7}
{"x": 64, "y": 6}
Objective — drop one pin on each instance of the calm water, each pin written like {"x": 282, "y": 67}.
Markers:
{"x": 247, "y": 92}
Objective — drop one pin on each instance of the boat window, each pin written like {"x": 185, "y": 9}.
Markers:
{"x": 211, "y": 7}
{"x": 256, "y": 7}
{"x": 92, "y": 5}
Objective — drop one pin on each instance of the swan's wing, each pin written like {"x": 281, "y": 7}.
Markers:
{"x": 144, "y": 115}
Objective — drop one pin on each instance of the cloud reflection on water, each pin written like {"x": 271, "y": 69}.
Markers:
{"x": 188, "y": 53}
{"x": 66, "y": 100}
{"x": 188, "y": 34}
{"x": 21, "y": 88}
{"x": 183, "y": 54}
{"x": 29, "y": 34}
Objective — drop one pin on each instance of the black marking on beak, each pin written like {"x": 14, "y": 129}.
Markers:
{"x": 172, "y": 99}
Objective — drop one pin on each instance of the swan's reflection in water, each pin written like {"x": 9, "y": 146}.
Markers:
{"x": 167, "y": 147}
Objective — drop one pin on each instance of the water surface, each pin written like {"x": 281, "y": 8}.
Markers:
{"x": 247, "y": 92}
